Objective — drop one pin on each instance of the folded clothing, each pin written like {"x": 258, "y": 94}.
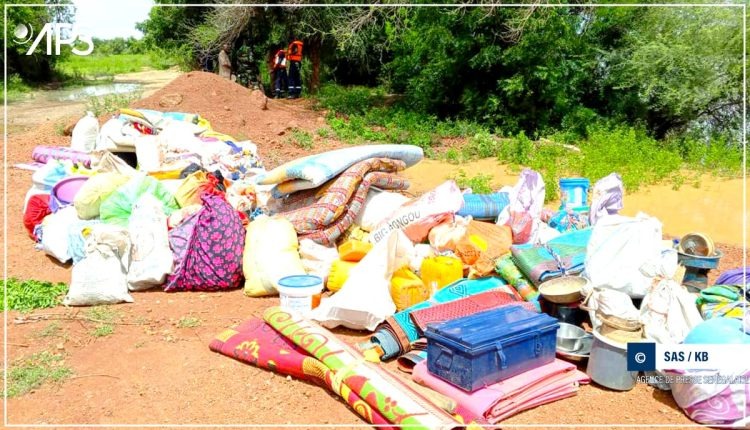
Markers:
{"x": 722, "y": 301}
{"x": 563, "y": 255}
{"x": 551, "y": 382}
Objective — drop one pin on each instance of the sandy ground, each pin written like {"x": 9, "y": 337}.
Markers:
{"x": 151, "y": 371}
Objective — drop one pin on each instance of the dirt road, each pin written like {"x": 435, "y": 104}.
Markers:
{"x": 155, "y": 369}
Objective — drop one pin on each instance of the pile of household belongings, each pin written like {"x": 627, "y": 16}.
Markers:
{"x": 201, "y": 213}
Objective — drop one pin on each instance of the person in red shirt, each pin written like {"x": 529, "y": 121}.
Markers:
{"x": 279, "y": 72}
{"x": 294, "y": 54}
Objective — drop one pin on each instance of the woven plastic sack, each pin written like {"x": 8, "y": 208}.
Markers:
{"x": 94, "y": 191}
{"x": 207, "y": 249}
{"x": 377, "y": 207}
{"x": 618, "y": 248}
{"x": 150, "y": 256}
{"x": 116, "y": 208}
{"x": 100, "y": 278}
{"x": 189, "y": 191}
{"x": 85, "y": 133}
{"x": 271, "y": 253}
{"x": 55, "y": 233}
{"x": 417, "y": 217}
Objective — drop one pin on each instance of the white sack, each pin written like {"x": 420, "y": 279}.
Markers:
{"x": 85, "y": 133}
{"x": 55, "y": 233}
{"x": 150, "y": 256}
{"x": 618, "y": 247}
{"x": 377, "y": 207}
{"x": 668, "y": 310}
{"x": 101, "y": 277}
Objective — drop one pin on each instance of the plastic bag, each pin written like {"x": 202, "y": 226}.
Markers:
{"x": 446, "y": 236}
{"x": 618, "y": 247}
{"x": 668, "y": 310}
{"x": 607, "y": 197}
{"x": 85, "y": 133}
{"x": 55, "y": 233}
{"x": 150, "y": 256}
{"x": 116, "y": 208}
{"x": 100, "y": 278}
{"x": 89, "y": 198}
{"x": 418, "y": 216}
{"x": 271, "y": 253}
{"x": 377, "y": 207}
{"x": 365, "y": 299}
{"x": 526, "y": 204}
{"x": 316, "y": 258}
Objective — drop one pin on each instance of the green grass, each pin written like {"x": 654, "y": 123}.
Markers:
{"x": 96, "y": 66}
{"x": 31, "y": 372}
{"x": 17, "y": 88}
{"x": 27, "y": 295}
{"x": 111, "y": 102}
{"x": 52, "y": 330}
{"x": 104, "y": 316}
{"x": 479, "y": 184}
{"x": 356, "y": 115}
{"x": 300, "y": 138}
{"x": 189, "y": 322}
{"x": 103, "y": 330}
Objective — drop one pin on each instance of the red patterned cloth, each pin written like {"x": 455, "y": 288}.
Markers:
{"x": 257, "y": 343}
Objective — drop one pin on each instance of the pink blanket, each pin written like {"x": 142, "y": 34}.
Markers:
{"x": 497, "y": 402}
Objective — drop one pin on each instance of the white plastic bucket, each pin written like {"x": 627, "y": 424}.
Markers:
{"x": 300, "y": 293}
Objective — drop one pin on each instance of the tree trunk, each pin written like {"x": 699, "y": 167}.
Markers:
{"x": 315, "y": 47}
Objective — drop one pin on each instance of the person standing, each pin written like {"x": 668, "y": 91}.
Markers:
{"x": 225, "y": 64}
{"x": 295, "y": 65}
{"x": 279, "y": 72}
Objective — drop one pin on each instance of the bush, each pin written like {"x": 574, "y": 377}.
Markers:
{"x": 28, "y": 295}
{"x": 349, "y": 100}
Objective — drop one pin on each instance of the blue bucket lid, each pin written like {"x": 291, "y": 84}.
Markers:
{"x": 300, "y": 281}
{"x": 575, "y": 181}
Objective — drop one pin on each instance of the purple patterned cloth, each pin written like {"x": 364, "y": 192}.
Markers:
{"x": 207, "y": 249}
{"x": 733, "y": 276}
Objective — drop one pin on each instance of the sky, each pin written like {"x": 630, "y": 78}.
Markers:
{"x": 107, "y": 19}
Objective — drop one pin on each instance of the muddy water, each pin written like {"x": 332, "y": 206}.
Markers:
{"x": 714, "y": 208}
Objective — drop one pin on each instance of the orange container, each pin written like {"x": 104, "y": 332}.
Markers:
{"x": 354, "y": 250}
{"x": 437, "y": 272}
{"x": 407, "y": 289}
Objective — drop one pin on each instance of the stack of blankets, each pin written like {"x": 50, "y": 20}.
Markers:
{"x": 322, "y": 194}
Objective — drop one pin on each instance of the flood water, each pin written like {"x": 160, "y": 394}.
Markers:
{"x": 83, "y": 93}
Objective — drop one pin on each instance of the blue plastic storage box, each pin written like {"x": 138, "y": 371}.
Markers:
{"x": 482, "y": 349}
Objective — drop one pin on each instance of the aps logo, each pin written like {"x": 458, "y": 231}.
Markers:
{"x": 62, "y": 33}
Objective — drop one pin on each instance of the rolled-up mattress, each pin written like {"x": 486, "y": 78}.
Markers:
{"x": 42, "y": 154}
